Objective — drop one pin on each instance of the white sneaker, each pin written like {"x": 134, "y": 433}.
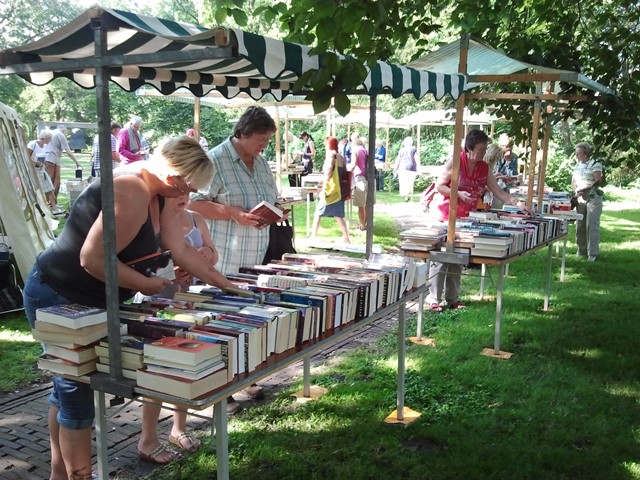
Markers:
{"x": 591, "y": 258}
{"x": 57, "y": 211}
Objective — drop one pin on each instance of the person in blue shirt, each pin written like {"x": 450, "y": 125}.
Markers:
{"x": 380, "y": 156}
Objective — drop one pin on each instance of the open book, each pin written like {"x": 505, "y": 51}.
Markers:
{"x": 268, "y": 213}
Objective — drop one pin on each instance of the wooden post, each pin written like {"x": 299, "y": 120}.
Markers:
{"x": 534, "y": 147}
{"x": 457, "y": 139}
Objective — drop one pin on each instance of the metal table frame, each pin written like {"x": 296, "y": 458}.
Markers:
{"x": 218, "y": 398}
{"x": 503, "y": 264}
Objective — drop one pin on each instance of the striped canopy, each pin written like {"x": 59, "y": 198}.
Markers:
{"x": 144, "y": 50}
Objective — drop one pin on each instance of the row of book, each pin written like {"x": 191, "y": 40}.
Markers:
{"x": 491, "y": 233}
{"x": 553, "y": 203}
{"x": 199, "y": 340}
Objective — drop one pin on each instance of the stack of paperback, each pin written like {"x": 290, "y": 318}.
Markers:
{"x": 131, "y": 354}
{"x": 183, "y": 367}
{"x": 423, "y": 238}
{"x": 69, "y": 333}
{"x": 496, "y": 234}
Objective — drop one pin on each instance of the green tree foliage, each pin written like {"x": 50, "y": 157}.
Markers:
{"x": 600, "y": 39}
{"x": 362, "y": 31}
{"x": 22, "y": 22}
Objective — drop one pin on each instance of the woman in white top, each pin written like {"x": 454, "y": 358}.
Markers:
{"x": 36, "y": 150}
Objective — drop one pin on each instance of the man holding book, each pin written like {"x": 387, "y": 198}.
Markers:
{"x": 242, "y": 179}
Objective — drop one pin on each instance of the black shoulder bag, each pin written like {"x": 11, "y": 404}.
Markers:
{"x": 280, "y": 241}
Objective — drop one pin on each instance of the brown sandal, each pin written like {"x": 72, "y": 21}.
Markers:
{"x": 185, "y": 441}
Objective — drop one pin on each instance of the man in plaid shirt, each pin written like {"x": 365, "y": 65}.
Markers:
{"x": 242, "y": 179}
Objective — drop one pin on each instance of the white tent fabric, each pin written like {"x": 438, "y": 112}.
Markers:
{"x": 24, "y": 214}
{"x": 483, "y": 59}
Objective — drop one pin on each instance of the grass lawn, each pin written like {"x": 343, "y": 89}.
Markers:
{"x": 565, "y": 406}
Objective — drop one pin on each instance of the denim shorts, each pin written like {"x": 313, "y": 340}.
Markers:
{"x": 73, "y": 399}
{"x": 38, "y": 294}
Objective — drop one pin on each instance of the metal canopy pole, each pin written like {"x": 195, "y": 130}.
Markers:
{"x": 371, "y": 173}
{"x": 115, "y": 383}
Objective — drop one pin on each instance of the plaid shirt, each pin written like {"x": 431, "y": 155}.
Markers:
{"x": 234, "y": 184}
{"x": 95, "y": 149}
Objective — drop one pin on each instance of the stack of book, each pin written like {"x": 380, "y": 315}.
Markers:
{"x": 422, "y": 238}
{"x": 69, "y": 333}
{"x": 183, "y": 367}
{"x": 131, "y": 348}
{"x": 498, "y": 234}
{"x": 202, "y": 338}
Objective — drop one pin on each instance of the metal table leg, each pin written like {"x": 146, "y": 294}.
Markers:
{"x": 222, "y": 439}
{"x": 401, "y": 360}
{"x": 306, "y": 367}
{"x": 496, "y": 346}
{"x": 483, "y": 276}
{"x": 564, "y": 258}
{"x": 101, "y": 434}
{"x": 547, "y": 287}
{"x": 420, "y": 315}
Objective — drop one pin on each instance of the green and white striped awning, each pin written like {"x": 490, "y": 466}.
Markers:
{"x": 144, "y": 50}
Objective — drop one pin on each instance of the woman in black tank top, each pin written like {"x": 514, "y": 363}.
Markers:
{"x": 72, "y": 270}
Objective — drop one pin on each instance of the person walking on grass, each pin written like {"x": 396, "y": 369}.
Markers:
{"x": 331, "y": 204}
{"x": 406, "y": 168}
{"x": 36, "y": 149}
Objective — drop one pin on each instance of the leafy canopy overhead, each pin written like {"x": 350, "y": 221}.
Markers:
{"x": 599, "y": 38}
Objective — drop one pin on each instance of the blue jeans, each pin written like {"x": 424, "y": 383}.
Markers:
{"x": 73, "y": 399}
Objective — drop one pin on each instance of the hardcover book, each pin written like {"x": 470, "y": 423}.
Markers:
{"x": 126, "y": 373}
{"x": 134, "y": 359}
{"x": 47, "y": 327}
{"x": 69, "y": 341}
{"x": 186, "y": 373}
{"x": 75, "y": 355}
{"x": 227, "y": 344}
{"x": 268, "y": 214}
{"x": 72, "y": 315}
{"x": 181, "y": 350}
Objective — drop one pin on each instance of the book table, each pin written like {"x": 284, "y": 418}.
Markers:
{"x": 274, "y": 363}
{"x": 502, "y": 264}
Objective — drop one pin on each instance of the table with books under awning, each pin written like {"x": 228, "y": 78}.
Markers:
{"x": 275, "y": 363}
{"x": 103, "y": 45}
{"x": 502, "y": 264}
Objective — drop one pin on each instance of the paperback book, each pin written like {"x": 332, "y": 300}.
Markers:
{"x": 72, "y": 315}
{"x": 65, "y": 367}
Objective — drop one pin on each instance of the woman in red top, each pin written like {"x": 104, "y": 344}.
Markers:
{"x": 475, "y": 177}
